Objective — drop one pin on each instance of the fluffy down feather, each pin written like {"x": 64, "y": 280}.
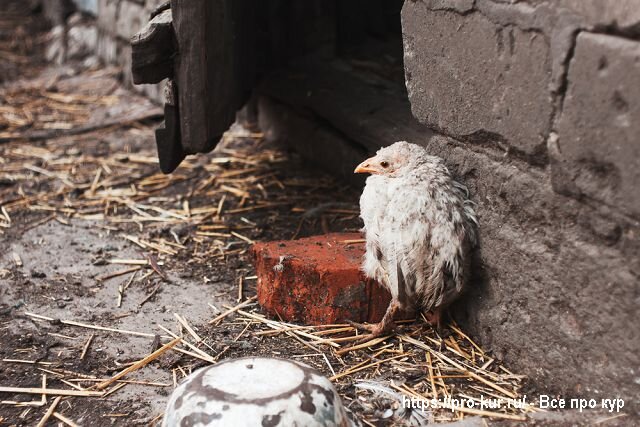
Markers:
{"x": 419, "y": 227}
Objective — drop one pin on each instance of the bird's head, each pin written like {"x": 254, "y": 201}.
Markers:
{"x": 392, "y": 161}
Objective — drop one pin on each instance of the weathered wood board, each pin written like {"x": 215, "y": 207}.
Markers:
{"x": 214, "y": 68}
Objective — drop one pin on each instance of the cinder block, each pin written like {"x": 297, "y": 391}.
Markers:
{"x": 460, "y": 6}
{"x": 131, "y": 18}
{"x": 317, "y": 280}
{"x": 470, "y": 77}
{"x": 597, "y": 153}
{"x": 621, "y": 13}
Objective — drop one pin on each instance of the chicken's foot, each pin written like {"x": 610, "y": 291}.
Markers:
{"x": 384, "y": 327}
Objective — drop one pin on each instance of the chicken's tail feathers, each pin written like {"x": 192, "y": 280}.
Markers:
{"x": 461, "y": 187}
{"x": 468, "y": 211}
{"x": 445, "y": 283}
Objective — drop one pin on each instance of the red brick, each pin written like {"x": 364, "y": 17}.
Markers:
{"x": 320, "y": 281}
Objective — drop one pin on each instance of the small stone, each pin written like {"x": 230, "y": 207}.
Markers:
{"x": 100, "y": 261}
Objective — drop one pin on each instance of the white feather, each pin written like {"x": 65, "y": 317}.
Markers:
{"x": 419, "y": 226}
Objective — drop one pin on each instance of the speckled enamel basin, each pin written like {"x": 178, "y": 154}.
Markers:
{"x": 256, "y": 391}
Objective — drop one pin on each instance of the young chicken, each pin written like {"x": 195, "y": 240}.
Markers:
{"x": 419, "y": 227}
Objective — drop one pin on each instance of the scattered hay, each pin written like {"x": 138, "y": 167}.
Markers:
{"x": 209, "y": 211}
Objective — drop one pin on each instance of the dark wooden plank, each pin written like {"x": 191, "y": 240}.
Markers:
{"x": 170, "y": 152}
{"x": 153, "y": 49}
{"x": 189, "y": 22}
{"x": 215, "y": 68}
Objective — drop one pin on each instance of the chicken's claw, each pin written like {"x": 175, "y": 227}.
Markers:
{"x": 363, "y": 326}
{"x": 375, "y": 330}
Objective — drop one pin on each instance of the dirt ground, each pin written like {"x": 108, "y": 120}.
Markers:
{"x": 51, "y": 265}
{"x": 103, "y": 258}
{"x": 52, "y": 261}
{"x": 57, "y": 275}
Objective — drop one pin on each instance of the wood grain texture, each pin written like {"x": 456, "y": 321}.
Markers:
{"x": 153, "y": 49}
{"x": 215, "y": 68}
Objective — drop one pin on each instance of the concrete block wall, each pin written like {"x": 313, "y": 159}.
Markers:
{"x": 536, "y": 104}
{"x": 548, "y": 82}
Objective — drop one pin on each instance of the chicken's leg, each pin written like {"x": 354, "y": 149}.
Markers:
{"x": 381, "y": 328}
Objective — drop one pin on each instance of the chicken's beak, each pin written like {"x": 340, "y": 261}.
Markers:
{"x": 366, "y": 166}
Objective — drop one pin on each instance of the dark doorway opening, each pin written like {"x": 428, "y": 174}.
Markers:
{"x": 332, "y": 80}
{"x": 367, "y": 34}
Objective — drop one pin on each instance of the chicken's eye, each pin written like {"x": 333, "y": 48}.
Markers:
{"x": 384, "y": 164}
